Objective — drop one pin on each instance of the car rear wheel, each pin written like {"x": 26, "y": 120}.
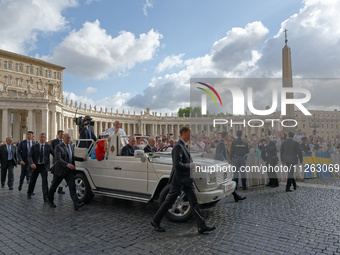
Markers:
{"x": 180, "y": 210}
{"x": 83, "y": 189}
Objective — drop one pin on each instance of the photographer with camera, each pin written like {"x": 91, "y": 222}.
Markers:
{"x": 269, "y": 155}
{"x": 86, "y": 131}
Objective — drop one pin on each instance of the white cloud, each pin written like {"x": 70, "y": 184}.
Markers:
{"x": 229, "y": 57}
{"x": 147, "y": 5}
{"x": 116, "y": 101}
{"x": 313, "y": 35}
{"x": 170, "y": 62}
{"x": 97, "y": 54}
{"x": 89, "y": 91}
{"x": 21, "y": 22}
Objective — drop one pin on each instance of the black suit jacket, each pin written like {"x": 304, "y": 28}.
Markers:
{"x": 222, "y": 151}
{"x": 180, "y": 174}
{"x": 148, "y": 149}
{"x": 84, "y": 133}
{"x": 4, "y": 154}
{"x": 55, "y": 142}
{"x": 61, "y": 160}
{"x": 22, "y": 152}
{"x": 269, "y": 153}
{"x": 290, "y": 151}
{"x": 128, "y": 150}
{"x": 34, "y": 155}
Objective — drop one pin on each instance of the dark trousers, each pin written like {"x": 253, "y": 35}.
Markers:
{"x": 34, "y": 176}
{"x": 69, "y": 178}
{"x": 171, "y": 198}
{"x": 238, "y": 162}
{"x": 272, "y": 175}
{"x": 25, "y": 172}
{"x": 291, "y": 178}
{"x": 8, "y": 167}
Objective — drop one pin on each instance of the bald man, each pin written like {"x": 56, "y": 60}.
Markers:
{"x": 151, "y": 146}
{"x": 129, "y": 149}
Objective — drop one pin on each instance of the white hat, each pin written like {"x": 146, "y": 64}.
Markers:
{"x": 104, "y": 133}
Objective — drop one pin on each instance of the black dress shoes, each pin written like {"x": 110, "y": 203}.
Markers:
{"x": 60, "y": 190}
{"x": 269, "y": 185}
{"x": 157, "y": 227}
{"x": 46, "y": 199}
{"x": 205, "y": 229}
{"x": 295, "y": 187}
{"x": 237, "y": 197}
{"x": 275, "y": 185}
{"x": 78, "y": 205}
{"x": 10, "y": 188}
{"x": 51, "y": 204}
{"x": 29, "y": 196}
{"x": 2, "y": 186}
{"x": 20, "y": 187}
{"x": 289, "y": 190}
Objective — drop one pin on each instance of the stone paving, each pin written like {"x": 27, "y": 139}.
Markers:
{"x": 269, "y": 221}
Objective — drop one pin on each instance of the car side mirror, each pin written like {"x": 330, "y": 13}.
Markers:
{"x": 140, "y": 154}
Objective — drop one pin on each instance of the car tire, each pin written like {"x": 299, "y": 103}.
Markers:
{"x": 180, "y": 210}
{"x": 83, "y": 188}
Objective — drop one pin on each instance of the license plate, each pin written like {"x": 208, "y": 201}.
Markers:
{"x": 227, "y": 187}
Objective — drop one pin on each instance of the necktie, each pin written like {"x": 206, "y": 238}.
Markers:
{"x": 69, "y": 154}
{"x": 29, "y": 146}
{"x": 42, "y": 154}
{"x": 9, "y": 152}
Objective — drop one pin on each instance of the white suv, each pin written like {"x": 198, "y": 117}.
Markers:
{"x": 144, "y": 178}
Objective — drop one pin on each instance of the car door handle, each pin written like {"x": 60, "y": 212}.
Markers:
{"x": 118, "y": 168}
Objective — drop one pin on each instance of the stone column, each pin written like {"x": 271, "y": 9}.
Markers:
{"x": 16, "y": 127}
{"x": 30, "y": 121}
{"x": 54, "y": 125}
{"x": 5, "y": 133}
{"x": 44, "y": 121}
{"x": 100, "y": 128}
{"x": 95, "y": 129}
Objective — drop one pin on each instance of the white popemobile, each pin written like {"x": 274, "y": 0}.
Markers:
{"x": 144, "y": 178}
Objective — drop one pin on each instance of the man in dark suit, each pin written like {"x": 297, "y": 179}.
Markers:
{"x": 54, "y": 143}
{"x": 64, "y": 168}
{"x": 22, "y": 152}
{"x": 86, "y": 132}
{"x": 8, "y": 159}
{"x": 129, "y": 149}
{"x": 269, "y": 155}
{"x": 222, "y": 155}
{"x": 151, "y": 146}
{"x": 39, "y": 160}
{"x": 290, "y": 153}
{"x": 181, "y": 181}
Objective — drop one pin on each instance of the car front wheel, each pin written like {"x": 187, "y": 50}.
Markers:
{"x": 180, "y": 210}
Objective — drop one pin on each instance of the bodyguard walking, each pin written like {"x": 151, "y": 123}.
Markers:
{"x": 39, "y": 160}
{"x": 269, "y": 155}
{"x": 290, "y": 153}
{"x": 54, "y": 143}
{"x": 238, "y": 151}
{"x": 64, "y": 168}
{"x": 222, "y": 155}
{"x": 180, "y": 180}
{"x": 22, "y": 152}
{"x": 8, "y": 159}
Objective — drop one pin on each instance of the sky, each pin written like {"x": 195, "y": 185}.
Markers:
{"x": 134, "y": 54}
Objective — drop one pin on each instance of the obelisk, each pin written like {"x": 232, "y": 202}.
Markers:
{"x": 287, "y": 77}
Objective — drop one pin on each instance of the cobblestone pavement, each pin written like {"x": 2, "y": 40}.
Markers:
{"x": 269, "y": 221}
